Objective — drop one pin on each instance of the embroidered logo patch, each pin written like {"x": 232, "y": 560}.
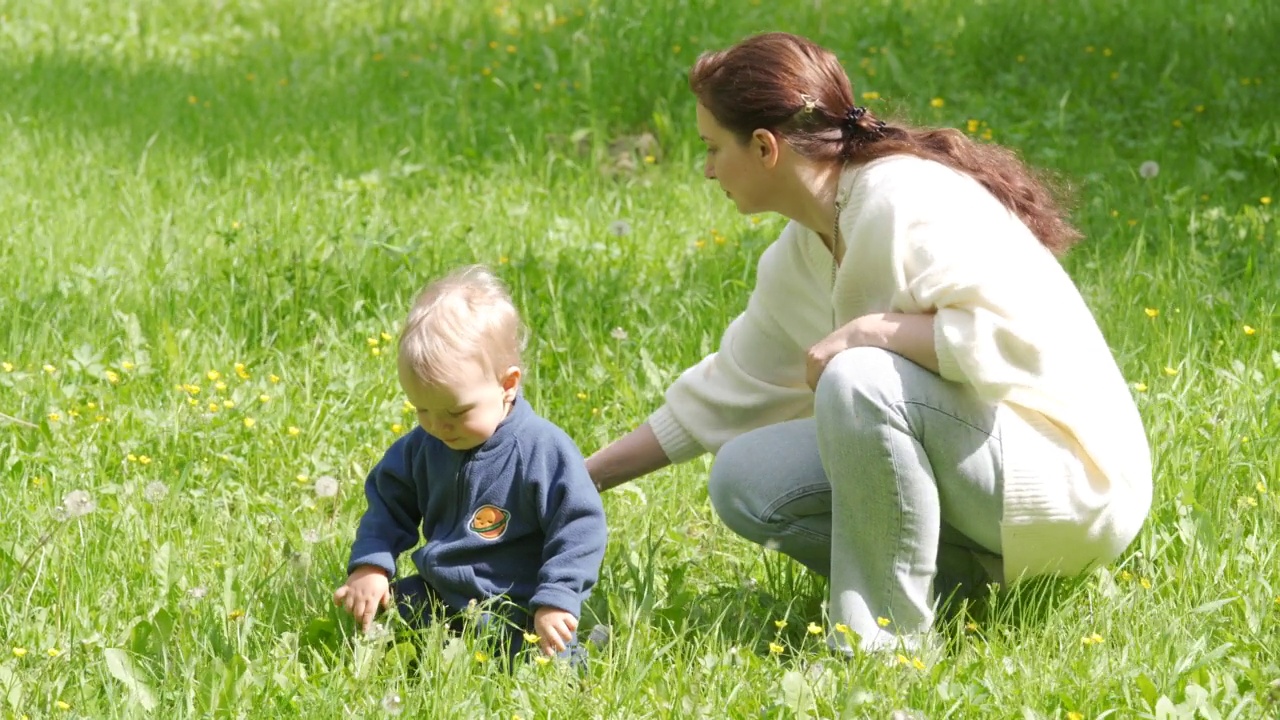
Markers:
{"x": 489, "y": 522}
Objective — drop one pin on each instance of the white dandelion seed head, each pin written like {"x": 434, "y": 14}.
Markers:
{"x": 326, "y": 486}
{"x": 311, "y": 536}
{"x": 619, "y": 228}
{"x": 155, "y": 492}
{"x": 197, "y": 593}
{"x": 78, "y": 503}
{"x": 600, "y": 635}
{"x": 1149, "y": 169}
{"x": 618, "y": 334}
{"x": 772, "y": 544}
{"x": 392, "y": 704}
{"x": 377, "y": 631}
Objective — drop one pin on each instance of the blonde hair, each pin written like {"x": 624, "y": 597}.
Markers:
{"x": 466, "y": 316}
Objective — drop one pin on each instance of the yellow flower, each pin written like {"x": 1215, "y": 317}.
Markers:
{"x": 145, "y": 460}
{"x": 649, "y": 160}
{"x": 302, "y": 479}
{"x": 1177, "y": 122}
{"x": 1145, "y": 583}
{"x": 386, "y": 336}
{"x": 111, "y": 376}
{"x": 127, "y": 366}
{"x": 273, "y": 378}
{"x": 214, "y": 407}
{"x": 1125, "y": 576}
{"x": 1106, "y": 52}
{"x": 19, "y": 652}
{"x": 213, "y": 375}
{"x": 937, "y": 102}
{"x": 582, "y": 395}
{"x": 1261, "y": 487}
{"x": 264, "y": 398}
{"x": 481, "y": 657}
{"x": 62, "y": 706}
{"x": 815, "y": 629}
{"x": 542, "y": 659}
{"x": 1073, "y": 715}
{"x": 219, "y": 386}
{"x": 871, "y": 95}
{"x": 373, "y": 341}
{"x": 8, "y": 367}
{"x": 493, "y": 44}
{"x": 1199, "y": 108}
{"x": 53, "y": 652}
{"x": 235, "y": 614}
{"x": 1021, "y": 58}
{"x": 1091, "y": 639}
{"x": 249, "y": 422}
{"x": 1265, "y": 199}
{"x": 1170, "y": 371}
{"x": 1140, "y": 387}
{"x": 375, "y": 351}
{"x": 397, "y": 428}
{"x": 192, "y": 100}
{"x": 131, "y": 457}
{"x": 902, "y": 659}
{"x": 228, "y": 403}
{"x": 1249, "y": 330}
{"x": 842, "y": 628}
{"x": 775, "y": 648}
{"x": 1151, "y": 312}
{"x": 1088, "y": 48}
{"x": 780, "y": 624}
{"x": 294, "y": 430}
{"x": 971, "y": 626}
{"x": 532, "y": 638}
{"x": 191, "y": 389}
{"x": 972, "y": 125}
{"x": 54, "y": 417}
{"x": 917, "y": 663}
{"x": 49, "y": 368}
{"x": 882, "y": 621}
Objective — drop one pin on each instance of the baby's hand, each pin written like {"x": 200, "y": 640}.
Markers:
{"x": 555, "y": 629}
{"x": 366, "y": 588}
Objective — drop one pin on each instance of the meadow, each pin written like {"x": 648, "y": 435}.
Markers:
{"x": 213, "y": 216}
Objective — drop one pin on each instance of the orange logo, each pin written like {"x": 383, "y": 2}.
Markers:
{"x": 489, "y": 522}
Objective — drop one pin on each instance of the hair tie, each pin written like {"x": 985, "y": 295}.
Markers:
{"x": 851, "y": 124}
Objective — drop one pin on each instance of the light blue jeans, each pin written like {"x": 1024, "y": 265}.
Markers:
{"x": 893, "y": 490}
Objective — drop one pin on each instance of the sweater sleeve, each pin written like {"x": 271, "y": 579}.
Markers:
{"x": 989, "y": 281}
{"x": 572, "y": 519}
{"x": 755, "y": 378}
{"x": 390, "y": 524}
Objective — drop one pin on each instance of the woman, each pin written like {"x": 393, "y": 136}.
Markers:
{"x": 916, "y": 397}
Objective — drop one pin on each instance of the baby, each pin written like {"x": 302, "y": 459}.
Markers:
{"x": 501, "y": 495}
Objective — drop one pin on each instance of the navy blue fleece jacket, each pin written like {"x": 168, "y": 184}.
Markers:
{"x": 517, "y": 516}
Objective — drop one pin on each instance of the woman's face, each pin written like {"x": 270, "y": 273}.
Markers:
{"x": 741, "y": 169}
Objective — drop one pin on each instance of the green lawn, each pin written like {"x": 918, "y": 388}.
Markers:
{"x": 213, "y": 216}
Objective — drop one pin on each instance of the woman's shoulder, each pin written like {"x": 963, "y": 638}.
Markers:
{"x": 909, "y": 176}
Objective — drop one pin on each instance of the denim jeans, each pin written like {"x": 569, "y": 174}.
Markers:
{"x": 893, "y": 490}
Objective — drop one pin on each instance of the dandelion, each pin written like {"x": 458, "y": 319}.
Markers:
{"x": 392, "y": 704}
{"x": 1149, "y": 169}
{"x": 273, "y": 379}
{"x": 917, "y": 663}
{"x": 542, "y": 660}
{"x": 618, "y": 334}
{"x": 397, "y": 428}
{"x": 814, "y": 629}
{"x": 264, "y": 398}
{"x": 1125, "y": 576}
{"x": 214, "y": 407}
{"x": 780, "y": 624}
{"x": 376, "y": 352}
{"x": 1140, "y": 387}
{"x": 1265, "y": 199}
{"x": 127, "y": 366}
{"x": 1261, "y": 487}
{"x": 1073, "y": 715}
{"x": 532, "y": 638}
{"x": 193, "y": 100}
{"x": 294, "y": 430}
{"x": 241, "y": 371}
{"x": 311, "y": 536}
{"x": 250, "y": 422}
{"x": 972, "y": 125}
{"x": 372, "y": 342}
{"x": 197, "y": 593}
{"x": 49, "y": 369}
{"x": 54, "y": 417}
{"x": 1091, "y": 639}
{"x": 1170, "y": 371}
{"x": 1247, "y": 501}
{"x": 481, "y": 657}
{"x": 882, "y": 621}
{"x": 937, "y": 102}
{"x": 1151, "y": 312}
{"x": 775, "y": 648}
{"x": 112, "y": 376}
{"x": 155, "y": 492}
{"x": 8, "y": 367}
{"x": 582, "y": 395}
{"x": 326, "y": 486}
{"x": 1248, "y": 330}
{"x": 53, "y": 652}
{"x": 78, "y": 503}
{"x": 235, "y": 614}
{"x": 19, "y": 652}
{"x": 902, "y": 659}
{"x": 61, "y": 705}
{"x": 228, "y": 403}
{"x": 971, "y": 626}
{"x": 619, "y": 228}
{"x": 213, "y": 375}
{"x": 1145, "y": 583}
{"x": 871, "y": 95}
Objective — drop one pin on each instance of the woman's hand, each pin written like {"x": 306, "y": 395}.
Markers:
{"x": 908, "y": 335}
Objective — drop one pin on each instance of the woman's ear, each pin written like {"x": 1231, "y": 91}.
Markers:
{"x": 764, "y": 144}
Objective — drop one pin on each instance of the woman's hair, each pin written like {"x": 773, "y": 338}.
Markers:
{"x": 797, "y": 89}
{"x": 465, "y": 317}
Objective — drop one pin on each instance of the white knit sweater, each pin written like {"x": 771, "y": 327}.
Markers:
{"x": 921, "y": 238}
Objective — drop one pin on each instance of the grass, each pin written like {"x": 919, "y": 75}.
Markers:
{"x": 191, "y": 186}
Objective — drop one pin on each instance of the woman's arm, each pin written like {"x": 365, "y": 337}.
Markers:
{"x": 908, "y": 335}
{"x": 635, "y": 454}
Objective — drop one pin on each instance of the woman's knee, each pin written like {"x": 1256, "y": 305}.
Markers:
{"x": 730, "y": 474}
{"x": 857, "y": 375}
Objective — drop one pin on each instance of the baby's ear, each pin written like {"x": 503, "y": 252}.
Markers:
{"x": 511, "y": 383}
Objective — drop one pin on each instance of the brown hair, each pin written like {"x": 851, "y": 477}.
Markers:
{"x": 797, "y": 89}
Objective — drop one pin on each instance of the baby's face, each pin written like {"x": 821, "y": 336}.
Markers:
{"x": 464, "y": 413}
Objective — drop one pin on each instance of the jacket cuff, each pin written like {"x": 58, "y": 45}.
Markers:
{"x": 677, "y": 442}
